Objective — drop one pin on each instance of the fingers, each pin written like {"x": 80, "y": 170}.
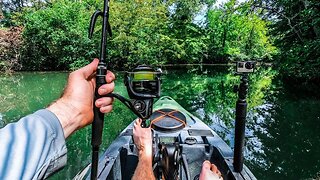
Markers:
{"x": 89, "y": 69}
{"x": 110, "y": 77}
{"x": 206, "y": 165}
{"x": 106, "y": 109}
{"x": 135, "y": 126}
{"x": 104, "y": 101}
{"x": 106, "y": 89}
{"x": 105, "y": 104}
{"x": 214, "y": 169}
{"x": 137, "y": 122}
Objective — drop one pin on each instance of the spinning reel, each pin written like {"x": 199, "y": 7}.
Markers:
{"x": 143, "y": 85}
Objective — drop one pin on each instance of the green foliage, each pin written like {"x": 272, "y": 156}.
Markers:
{"x": 139, "y": 33}
{"x": 144, "y": 32}
{"x": 165, "y": 32}
{"x": 298, "y": 32}
{"x": 295, "y": 26}
{"x": 55, "y": 38}
{"x": 236, "y": 33}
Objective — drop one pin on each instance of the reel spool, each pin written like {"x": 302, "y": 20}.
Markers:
{"x": 143, "y": 85}
{"x": 143, "y": 82}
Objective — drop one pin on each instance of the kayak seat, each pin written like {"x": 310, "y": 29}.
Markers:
{"x": 167, "y": 120}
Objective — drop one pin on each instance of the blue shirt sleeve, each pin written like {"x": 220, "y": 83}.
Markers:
{"x": 32, "y": 148}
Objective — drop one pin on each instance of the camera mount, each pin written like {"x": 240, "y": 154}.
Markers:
{"x": 245, "y": 67}
{"x": 241, "y": 114}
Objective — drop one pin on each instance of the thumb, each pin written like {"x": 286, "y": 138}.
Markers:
{"x": 89, "y": 69}
{"x": 206, "y": 165}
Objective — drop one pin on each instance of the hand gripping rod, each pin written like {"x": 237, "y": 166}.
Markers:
{"x": 97, "y": 124}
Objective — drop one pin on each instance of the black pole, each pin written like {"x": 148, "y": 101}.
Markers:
{"x": 97, "y": 124}
{"x": 241, "y": 113}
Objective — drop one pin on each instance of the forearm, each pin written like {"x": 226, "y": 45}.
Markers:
{"x": 144, "y": 169}
{"x": 32, "y": 148}
{"x": 68, "y": 116}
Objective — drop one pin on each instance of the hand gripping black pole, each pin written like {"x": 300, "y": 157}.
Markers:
{"x": 97, "y": 124}
{"x": 241, "y": 113}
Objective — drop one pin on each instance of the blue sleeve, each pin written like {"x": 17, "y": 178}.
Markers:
{"x": 32, "y": 148}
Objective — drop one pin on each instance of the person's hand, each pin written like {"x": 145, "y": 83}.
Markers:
{"x": 142, "y": 139}
{"x": 75, "y": 108}
{"x": 210, "y": 172}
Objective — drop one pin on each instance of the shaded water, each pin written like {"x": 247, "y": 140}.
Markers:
{"x": 282, "y": 130}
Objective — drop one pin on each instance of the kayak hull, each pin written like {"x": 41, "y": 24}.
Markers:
{"x": 185, "y": 148}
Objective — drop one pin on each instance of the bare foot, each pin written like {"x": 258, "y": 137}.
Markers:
{"x": 142, "y": 139}
{"x": 209, "y": 172}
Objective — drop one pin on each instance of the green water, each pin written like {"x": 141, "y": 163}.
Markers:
{"x": 282, "y": 130}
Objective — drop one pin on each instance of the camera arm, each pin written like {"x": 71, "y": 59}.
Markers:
{"x": 241, "y": 114}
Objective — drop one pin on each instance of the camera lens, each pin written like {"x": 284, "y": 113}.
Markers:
{"x": 249, "y": 65}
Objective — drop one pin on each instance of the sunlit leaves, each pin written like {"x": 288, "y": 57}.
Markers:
{"x": 55, "y": 37}
{"x": 236, "y": 33}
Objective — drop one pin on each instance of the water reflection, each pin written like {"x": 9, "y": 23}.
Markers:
{"x": 24, "y": 93}
{"x": 282, "y": 130}
{"x": 289, "y": 134}
{"x": 281, "y": 136}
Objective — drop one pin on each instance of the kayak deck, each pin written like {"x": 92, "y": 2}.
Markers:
{"x": 181, "y": 142}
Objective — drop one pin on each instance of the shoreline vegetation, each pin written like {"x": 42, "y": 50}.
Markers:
{"x": 52, "y": 35}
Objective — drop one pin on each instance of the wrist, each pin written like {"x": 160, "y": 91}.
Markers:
{"x": 69, "y": 117}
{"x": 145, "y": 153}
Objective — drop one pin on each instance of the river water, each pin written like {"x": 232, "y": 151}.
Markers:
{"x": 282, "y": 135}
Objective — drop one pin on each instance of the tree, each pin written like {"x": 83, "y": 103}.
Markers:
{"x": 296, "y": 26}
{"x": 238, "y": 33}
{"x": 140, "y": 33}
{"x": 56, "y": 37}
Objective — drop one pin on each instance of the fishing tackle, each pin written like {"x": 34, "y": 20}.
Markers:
{"x": 143, "y": 85}
{"x": 97, "y": 124}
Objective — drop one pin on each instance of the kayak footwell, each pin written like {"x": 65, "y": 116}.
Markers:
{"x": 181, "y": 143}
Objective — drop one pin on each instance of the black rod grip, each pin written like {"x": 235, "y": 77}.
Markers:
{"x": 97, "y": 124}
{"x": 94, "y": 165}
{"x": 98, "y": 119}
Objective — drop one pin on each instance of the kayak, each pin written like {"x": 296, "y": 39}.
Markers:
{"x": 181, "y": 143}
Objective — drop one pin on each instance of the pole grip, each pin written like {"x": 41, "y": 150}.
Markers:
{"x": 98, "y": 119}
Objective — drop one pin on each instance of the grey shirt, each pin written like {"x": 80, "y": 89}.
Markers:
{"x": 32, "y": 148}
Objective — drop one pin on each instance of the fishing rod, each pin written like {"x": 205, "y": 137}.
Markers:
{"x": 143, "y": 85}
{"x": 97, "y": 124}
